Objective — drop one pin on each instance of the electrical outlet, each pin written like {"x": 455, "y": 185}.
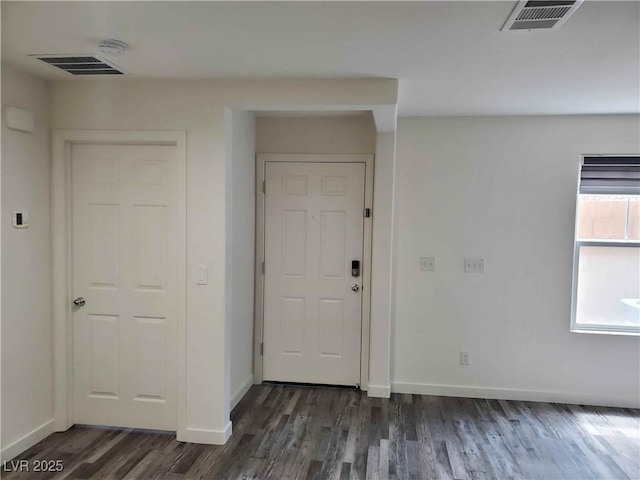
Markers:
{"x": 427, "y": 264}
{"x": 464, "y": 358}
{"x": 474, "y": 265}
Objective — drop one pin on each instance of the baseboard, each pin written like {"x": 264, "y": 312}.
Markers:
{"x": 601, "y": 400}
{"x": 379, "y": 391}
{"x": 29, "y": 440}
{"x": 209, "y": 437}
{"x": 242, "y": 391}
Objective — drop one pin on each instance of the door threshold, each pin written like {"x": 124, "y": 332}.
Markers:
{"x": 311, "y": 385}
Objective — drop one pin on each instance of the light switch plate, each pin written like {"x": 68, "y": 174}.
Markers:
{"x": 203, "y": 276}
{"x": 474, "y": 265}
{"x": 427, "y": 264}
{"x": 464, "y": 358}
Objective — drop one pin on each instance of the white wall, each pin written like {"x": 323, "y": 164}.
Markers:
{"x": 241, "y": 130}
{"x": 198, "y": 107}
{"x": 503, "y": 189}
{"x": 346, "y": 134}
{"x": 27, "y": 389}
{"x": 382, "y": 266}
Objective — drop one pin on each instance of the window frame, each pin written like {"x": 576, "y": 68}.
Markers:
{"x": 606, "y": 329}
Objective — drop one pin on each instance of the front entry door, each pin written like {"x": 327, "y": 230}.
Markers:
{"x": 125, "y": 269}
{"x": 312, "y": 303}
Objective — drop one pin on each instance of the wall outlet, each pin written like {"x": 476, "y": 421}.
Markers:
{"x": 474, "y": 265}
{"x": 427, "y": 264}
{"x": 464, "y": 358}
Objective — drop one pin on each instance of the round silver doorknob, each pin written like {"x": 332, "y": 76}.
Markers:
{"x": 80, "y": 302}
{"x": 355, "y": 287}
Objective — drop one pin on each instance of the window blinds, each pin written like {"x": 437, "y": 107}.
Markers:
{"x": 610, "y": 175}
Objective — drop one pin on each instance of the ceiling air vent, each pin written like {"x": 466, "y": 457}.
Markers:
{"x": 540, "y": 15}
{"x": 81, "y": 64}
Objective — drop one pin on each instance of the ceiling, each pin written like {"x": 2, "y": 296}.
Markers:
{"x": 450, "y": 57}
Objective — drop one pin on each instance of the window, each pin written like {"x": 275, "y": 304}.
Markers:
{"x": 606, "y": 271}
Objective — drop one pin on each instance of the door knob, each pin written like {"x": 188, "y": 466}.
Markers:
{"x": 355, "y": 287}
{"x": 80, "y": 302}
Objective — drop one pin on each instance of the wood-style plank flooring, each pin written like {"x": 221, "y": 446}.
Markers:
{"x": 321, "y": 433}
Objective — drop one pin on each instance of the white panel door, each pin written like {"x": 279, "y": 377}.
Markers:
{"x": 313, "y": 230}
{"x": 125, "y": 266}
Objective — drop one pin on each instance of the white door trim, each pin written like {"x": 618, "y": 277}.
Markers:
{"x": 61, "y": 253}
{"x": 261, "y": 160}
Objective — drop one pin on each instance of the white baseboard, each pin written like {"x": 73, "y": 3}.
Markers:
{"x": 379, "y": 391}
{"x": 599, "y": 399}
{"x": 209, "y": 437}
{"x": 242, "y": 391}
{"x": 28, "y": 441}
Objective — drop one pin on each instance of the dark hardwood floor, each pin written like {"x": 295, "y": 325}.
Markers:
{"x": 316, "y": 432}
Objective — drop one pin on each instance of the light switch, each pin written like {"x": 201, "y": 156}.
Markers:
{"x": 427, "y": 264}
{"x": 474, "y": 265}
{"x": 203, "y": 276}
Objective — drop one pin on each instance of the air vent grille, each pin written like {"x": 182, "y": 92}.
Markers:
{"x": 81, "y": 64}
{"x": 543, "y": 13}
{"x": 540, "y": 15}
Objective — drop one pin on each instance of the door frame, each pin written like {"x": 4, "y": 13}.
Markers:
{"x": 61, "y": 221}
{"x": 258, "y": 323}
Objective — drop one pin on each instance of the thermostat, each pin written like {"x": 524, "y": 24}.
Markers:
{"x": 20, "y": 219}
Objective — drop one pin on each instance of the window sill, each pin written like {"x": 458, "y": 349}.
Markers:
{"x": 605, "y": 332}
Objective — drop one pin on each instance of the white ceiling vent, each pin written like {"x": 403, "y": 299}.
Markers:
{"x": 540, "y": 15}
{"x": 81, "y": 64}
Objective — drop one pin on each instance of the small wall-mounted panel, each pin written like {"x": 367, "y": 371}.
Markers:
{"x": 18, "y": 119}
{"x": 20, "y": 219}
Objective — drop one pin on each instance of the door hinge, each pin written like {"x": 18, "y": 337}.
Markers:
{"x": 367, "y": 212}
{"x": 263, "y": 268}
{"x": 264, "y": 187}
{"x": 262, "y": 349}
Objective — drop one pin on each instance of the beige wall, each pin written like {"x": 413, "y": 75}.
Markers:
{"x": 27, "y": 356}
{"x": 351, "y": 134}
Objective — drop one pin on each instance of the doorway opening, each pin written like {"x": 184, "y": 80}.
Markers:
{"x": 314, "y": 194}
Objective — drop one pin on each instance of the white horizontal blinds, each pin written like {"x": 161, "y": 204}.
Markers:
{"x": 610, "y": 175}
